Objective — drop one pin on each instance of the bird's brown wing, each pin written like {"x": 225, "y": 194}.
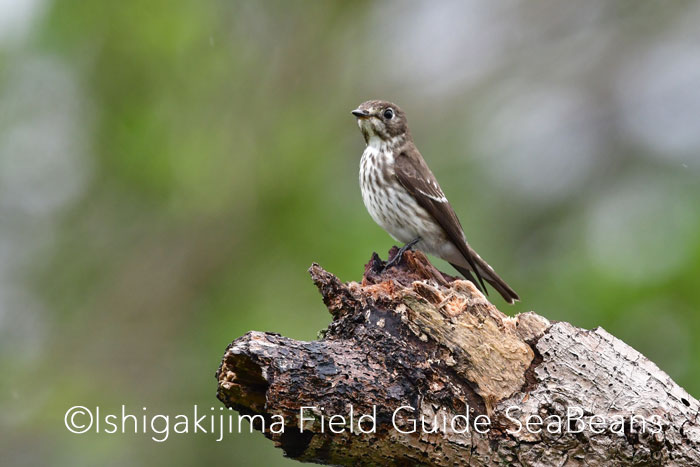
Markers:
{"x": 415, "y": 176}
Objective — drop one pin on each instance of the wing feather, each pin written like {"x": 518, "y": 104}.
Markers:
{"x": 415, "y": 176}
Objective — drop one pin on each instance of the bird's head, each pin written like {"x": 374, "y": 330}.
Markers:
{"x": 381, "y": 119}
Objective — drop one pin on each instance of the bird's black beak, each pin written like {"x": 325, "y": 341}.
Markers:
{"x": 360, "y": 113}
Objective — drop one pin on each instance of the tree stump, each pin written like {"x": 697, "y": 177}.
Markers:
{"x": 418, "y": 368}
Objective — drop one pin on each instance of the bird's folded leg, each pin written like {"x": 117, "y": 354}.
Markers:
{"x": 397, "y": 257}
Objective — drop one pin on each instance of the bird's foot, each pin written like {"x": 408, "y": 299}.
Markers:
{"x": 397, "y": 257}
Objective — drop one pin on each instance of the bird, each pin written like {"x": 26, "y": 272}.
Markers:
{"x": 403, "y": 196}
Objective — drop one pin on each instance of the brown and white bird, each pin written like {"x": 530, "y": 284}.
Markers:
{"x": 404, "y": 198}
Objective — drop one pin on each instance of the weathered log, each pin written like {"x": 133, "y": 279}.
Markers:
{"x": 416, "y": 338}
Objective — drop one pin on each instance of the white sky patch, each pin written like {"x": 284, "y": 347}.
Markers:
{"x": 441, "y": 44}
{"x": 659, "y": 93}
{"x": 17, "y": 18}
{"x": 42, "y": 151}
{"x": 540, "y": 143}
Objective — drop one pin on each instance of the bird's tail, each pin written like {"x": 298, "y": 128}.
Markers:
{"x": 489, "y": 275}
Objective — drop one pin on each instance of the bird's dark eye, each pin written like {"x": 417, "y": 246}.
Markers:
{"x": 388, "y": 114}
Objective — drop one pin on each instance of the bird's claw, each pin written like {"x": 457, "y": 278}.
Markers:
{"x": 399, "y": 255}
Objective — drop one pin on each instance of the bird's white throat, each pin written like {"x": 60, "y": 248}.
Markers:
{"x": 379, "y": 151}
{"x": 376, "y": 144}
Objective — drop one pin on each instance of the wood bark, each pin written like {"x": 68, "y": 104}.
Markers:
{"x": 417, "y": 338}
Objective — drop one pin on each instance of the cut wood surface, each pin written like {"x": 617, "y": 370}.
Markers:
{"x": 436, "y": 375}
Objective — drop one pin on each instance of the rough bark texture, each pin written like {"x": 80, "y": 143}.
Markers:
{"x": 413, "y": 336}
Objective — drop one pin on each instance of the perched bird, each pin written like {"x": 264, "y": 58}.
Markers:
{"x": 404, "y": 198}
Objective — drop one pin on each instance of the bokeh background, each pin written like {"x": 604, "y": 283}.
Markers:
{"x": 170, "y": 169}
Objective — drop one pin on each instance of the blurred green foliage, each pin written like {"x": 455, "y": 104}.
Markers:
{"x": 204, "y": 156}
